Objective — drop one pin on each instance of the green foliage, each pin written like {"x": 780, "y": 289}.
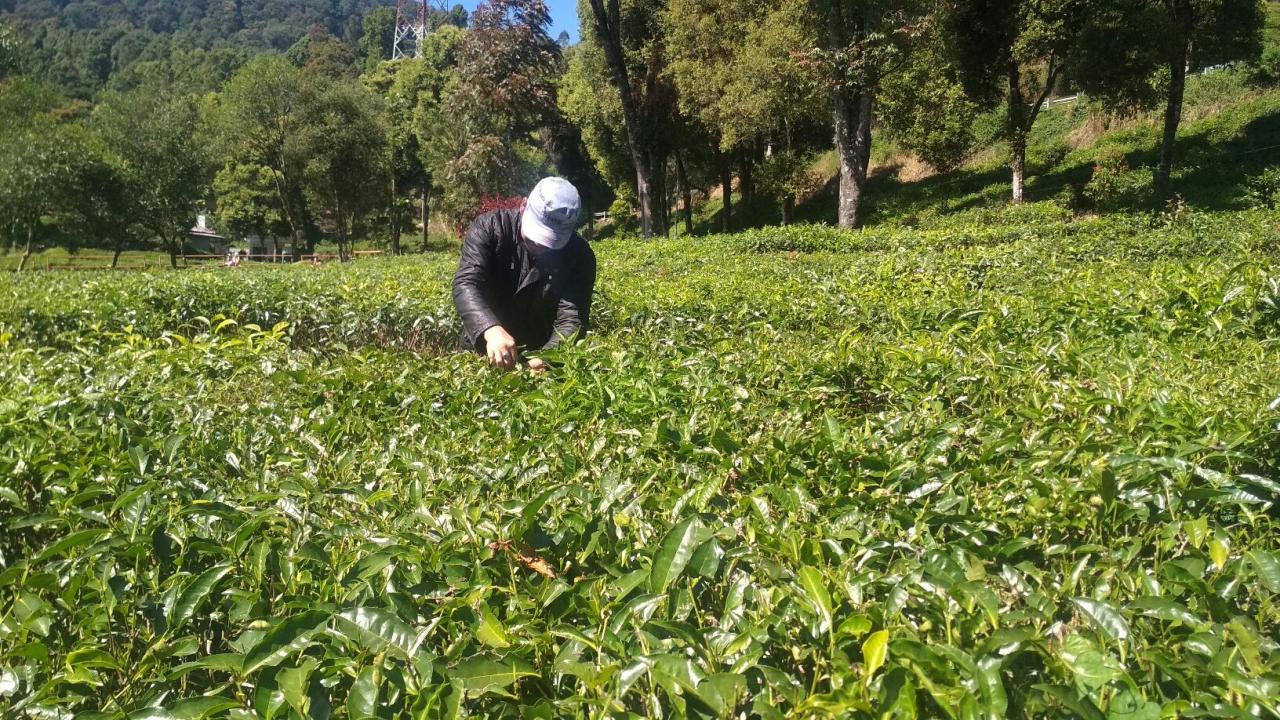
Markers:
{"x": 248, "y": 202}
{"x": 480, "y": 135}
{"x": 1266, "y": 71}
{"x": 151, "y": 133}
{"x": 45, "y": 168}
{"x": 1115, "y": 185}
{"x": 1017, "y": 466}
{"x": 14, "y": 53}
{"x": 83, "y": 46}
{"x": 1263, "y": 190}
{"x": 925, "y": 110}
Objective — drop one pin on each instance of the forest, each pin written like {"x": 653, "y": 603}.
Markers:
{"x": 123, "y": 120}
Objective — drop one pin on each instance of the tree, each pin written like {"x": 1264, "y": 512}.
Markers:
{"x": 734, "y": 65}
{"x": 377, "y": 40}
{"x": 411, "y": 92}
{"x": 632, "y": 47}
{"x": 1126, "y": 42}
{"x": 103, "y": 213}
{"x": 41, "y": 176}
{"x": 343, "y": 146}
{"x": 14, "y": 53}
{"x": 598, "y": 116}
{"x": 247, "y": 201}
{"x": 319, "y": 53}
{"x": 1201, "y": 33}
{"x": 866, "y": 41}
{"x": 258, "y": 118}
{"x": 481, "y": 135}
{"x": 1014, "y": 51}
{"x": 152, "y": 132}
{"x": 924, "y": 108}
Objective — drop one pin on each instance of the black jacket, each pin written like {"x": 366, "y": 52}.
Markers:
{"x": 540, "y": 298}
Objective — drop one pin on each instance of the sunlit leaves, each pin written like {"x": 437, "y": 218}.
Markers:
{"x": 990, "y": 470}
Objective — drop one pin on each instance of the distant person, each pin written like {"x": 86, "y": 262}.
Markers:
{"x": 526, "y": 277}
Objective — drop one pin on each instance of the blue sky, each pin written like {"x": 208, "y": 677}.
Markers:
{"x": 564, "y": 16}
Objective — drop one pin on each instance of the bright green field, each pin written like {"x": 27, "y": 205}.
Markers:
{"x": 1011, "y": 466}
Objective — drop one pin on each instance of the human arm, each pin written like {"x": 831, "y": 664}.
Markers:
{"x": 471, "y": 295}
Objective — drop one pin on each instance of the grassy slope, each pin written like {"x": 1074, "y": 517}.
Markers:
{"x": 1230, "y": 133}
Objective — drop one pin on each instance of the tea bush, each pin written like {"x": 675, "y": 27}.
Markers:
{"x": 1022, "y": 468}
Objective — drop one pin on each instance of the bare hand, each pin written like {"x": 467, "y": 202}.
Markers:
{"x": 501, "y": 348}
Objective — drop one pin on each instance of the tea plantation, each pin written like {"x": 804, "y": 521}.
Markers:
{"x": 1014, "y": 465}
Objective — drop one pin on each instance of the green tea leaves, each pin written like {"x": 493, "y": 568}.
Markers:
{"x": 675, "y": 551}
{"x": 973, "y": 469}
{"x": 479, "y": 675}
{"x": 283, "y": 640}
{"x": 1105, "y": 617}
{"x": 815, "y": 590}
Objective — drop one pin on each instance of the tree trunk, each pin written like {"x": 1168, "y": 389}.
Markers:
{"x": 26, "y": 251}
{"x": 606, "y": 19}
{"x": 746, "y": 187}
{"x": 173, "y": 254}
{"x": 1015, "y": 118}
{"x": 853, "y": 146}
{"x": 1020, "y": 119}
{"x": 852, "y": 113}
{"x": 726, "y": 189}
{"x": 115, "y": 255}
{"x": 647, "y": 190}
{"x": 340, "y": 230}
{"x": 1172, "y": 119}
{"x": 663, "y": 207}
{"x": 686, "y": 197}
{"x": 426, "y": 217}
{"x": 1018, "y": 166}
{"x": 397, "y": 219}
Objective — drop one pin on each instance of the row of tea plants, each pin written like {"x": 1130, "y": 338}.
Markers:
{"x": 1023, "y": 468}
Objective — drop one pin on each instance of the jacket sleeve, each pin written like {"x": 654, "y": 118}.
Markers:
{"x": 470, "y": 284}
{"x": 573, "y": 317}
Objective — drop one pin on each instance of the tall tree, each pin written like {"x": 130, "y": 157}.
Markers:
{"x": 865, "y": 40}
{"x": 1014, "y": 51}
{"x": 247, "y": 201}
{"x": 14, "y": 52}
{"x": 1126, "y": 42}
{"x": 377, "y": 40}
{"x": 598, "y": 115}
{"x": 631, "y": 43}
{"x": 258, "y": 118}
{"x": 411, "y": 92}
{"x": 41, "y": 176}
{"x": 735, "y": 67}
{"x": 344, "y": 150}
{"x": 1200, "y": 33}
{"x": 925, "y": 109}
{"x": 482, "y": 135}
{"x": 152, "y": 131}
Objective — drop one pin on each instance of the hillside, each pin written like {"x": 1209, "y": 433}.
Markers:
{"x": 261, "y": 23}
{"x": 81, "y": 47}
{"x": 1230, "y": 137}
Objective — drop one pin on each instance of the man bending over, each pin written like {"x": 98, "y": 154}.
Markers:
{"x": 525, "y": 279}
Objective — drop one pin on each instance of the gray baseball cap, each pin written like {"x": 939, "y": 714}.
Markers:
{"x": 551, "y": 213}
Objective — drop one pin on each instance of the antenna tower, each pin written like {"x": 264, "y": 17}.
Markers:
{"x": 412, "y": 28}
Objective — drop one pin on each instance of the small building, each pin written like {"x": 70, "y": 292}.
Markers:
{"x": 268, "y": 247}
{"x": 203, "y": 240}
